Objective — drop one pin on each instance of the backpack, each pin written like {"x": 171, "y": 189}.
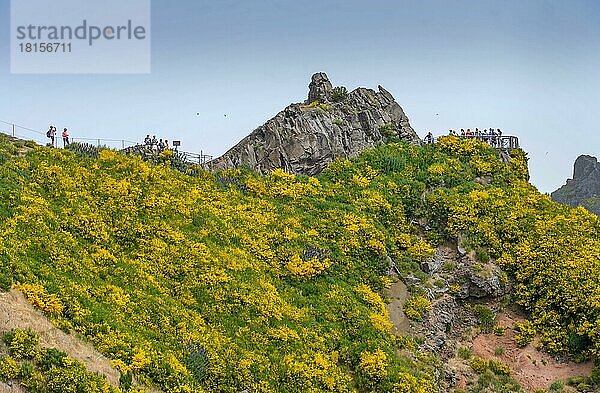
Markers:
{"x": 48, "y": 133}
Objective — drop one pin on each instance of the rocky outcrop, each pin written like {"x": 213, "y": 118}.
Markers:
{"x": 320, "y": 88}
{"x": 305, "y": 138}
{"x": 584, "y": 188}
{"x": 456, "y": 277}
{"x": 438, "y": 323}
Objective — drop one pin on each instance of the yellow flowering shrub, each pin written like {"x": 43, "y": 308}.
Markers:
{"x": 416, "y": 307}
{"x": 307, "y": 268}
{"x": 374, "y": 364}
{"x": 38, "y": 296}
{"x": 22, "y": 344}
{"x": 381, "y": 322}
{"x": 156, "y": 268}
{"x": 9, "y": 369}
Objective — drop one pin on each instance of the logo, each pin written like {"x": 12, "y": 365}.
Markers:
{"x": 80, "y": 37}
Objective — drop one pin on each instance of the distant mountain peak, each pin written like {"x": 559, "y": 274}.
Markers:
{"x": 332, "y": 123}
{"x": 584, "y": 166}
{"x": 584, "y": 188}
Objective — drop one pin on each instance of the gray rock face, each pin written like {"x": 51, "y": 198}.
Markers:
{"x": 479, "y": 281}
{"x": 584, "y": 188}
{"x": 486, "y": 285}
{"x": 438, "y": 323}
{"x": 434, "y": 264}
{"x": 304, "y": 139}
{"x": 320, "y": 88}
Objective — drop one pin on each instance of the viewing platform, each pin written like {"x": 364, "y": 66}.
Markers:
{"x": 504, "y": 142}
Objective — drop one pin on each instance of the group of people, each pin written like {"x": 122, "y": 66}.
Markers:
{"x": 491, "y": 136}
{"x": 156, "y": 144}
{"x": 51, "y": 133}
{"x": 477, "y": 133}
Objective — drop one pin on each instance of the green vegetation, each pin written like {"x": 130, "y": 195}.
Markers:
{"x": 22, "y": 344}
{"x": 318, "y": 105}
{"x": 485, "y": 317}
{"x": 497, "y": 383}
{"x": 388, "y": 130}
{"x": 493, "y": 376}
{"x": 557, "y": 386}
{"x": 498, "y": 367}
{"x": 479, "y": 365}
{"x": 46, "y": 370}
{"x": 416, "y": 307}
{"x": 526, "y": 333}
{"x": 339, "y": 94}
{"x": 236, "y": 281}
{"x": 464, "y": 353}
{"x": 500, "y": 331}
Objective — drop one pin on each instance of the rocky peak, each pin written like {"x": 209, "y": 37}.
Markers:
{"x": 584, "y": 166}
{"x": 320, "y": 88}
{"x": 584, "y": 188}
{"x": 305, "y": 137}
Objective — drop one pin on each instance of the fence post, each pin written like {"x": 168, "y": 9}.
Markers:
{"x": 98, "y": 142}
{"x": 13, "y": 130}
{"x": 123, "y": 144}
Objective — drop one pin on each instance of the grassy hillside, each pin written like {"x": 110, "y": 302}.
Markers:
{"x": 592, "y": 204}
{"x": 233, "y": 281}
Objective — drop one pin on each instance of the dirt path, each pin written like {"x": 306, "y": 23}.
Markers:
{"x": 398, "y": 293}
{"x": 17, "y": 313}
{"x": 531, "y": 368}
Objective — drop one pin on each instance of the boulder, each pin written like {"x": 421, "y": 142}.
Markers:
{"x": 480, "y": 281}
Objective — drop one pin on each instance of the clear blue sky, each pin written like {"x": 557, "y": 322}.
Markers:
{"x": 528, "y": 67}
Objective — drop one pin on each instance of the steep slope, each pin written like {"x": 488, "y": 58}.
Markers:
{"x": 584, "y": 188}
{"x": 277, "y": 283}
{"x": 305, "y": 138}
{"x": 17, "y": 313}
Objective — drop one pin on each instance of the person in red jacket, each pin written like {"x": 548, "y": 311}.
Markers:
{"x": 65, "y": 136}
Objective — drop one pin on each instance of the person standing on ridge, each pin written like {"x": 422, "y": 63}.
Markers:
{"x": 51, "y": 133}
{"x": 148, "y": 140}
{"x": 65, "y": 137}
{"x": 429, "y": 138}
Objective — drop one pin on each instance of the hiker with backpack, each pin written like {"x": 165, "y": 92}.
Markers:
{"x": 429, "y": 138}
{"x": 51, "y": 133}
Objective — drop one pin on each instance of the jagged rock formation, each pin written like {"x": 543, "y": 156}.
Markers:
{"x": 456, "y": 277}
{"x": 584, "y": 188}
{"x": 305, "y": 138}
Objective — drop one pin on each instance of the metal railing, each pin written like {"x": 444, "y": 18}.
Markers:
{"x": 22, "y": 132}
{"x": 504, "y": 142}
{"x": 118, "y": 144}
{"x": 18, "y": 131}
{"x": 193, "y": 158}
